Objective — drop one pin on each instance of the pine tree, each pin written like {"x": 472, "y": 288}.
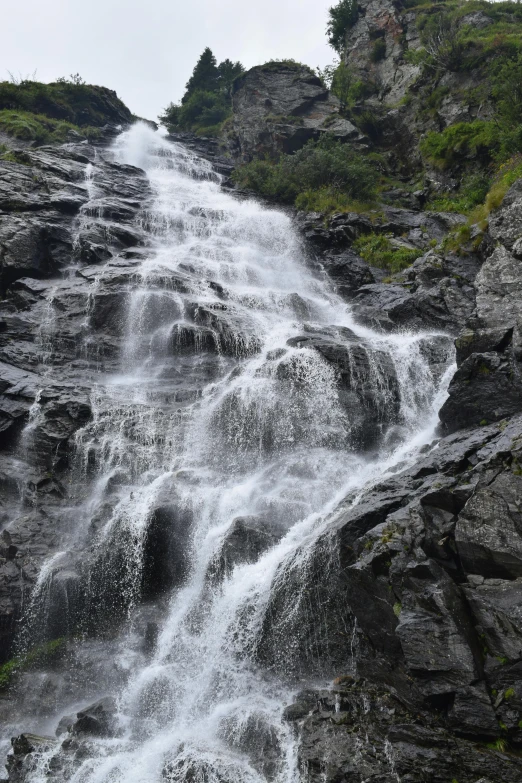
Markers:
{"x": 204, "y": 77}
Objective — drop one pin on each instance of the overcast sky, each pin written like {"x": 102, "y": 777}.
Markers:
{"x": 146, "y": 49}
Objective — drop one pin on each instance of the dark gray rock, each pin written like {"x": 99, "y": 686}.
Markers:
{"x": 97, "y": 719}
{"x": 278, "y": 107}
{"x": 246, "y": 539}
{"x": 489, "y": 530}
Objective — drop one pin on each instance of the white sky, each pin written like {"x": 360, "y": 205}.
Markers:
{"x": 146, "y": 49}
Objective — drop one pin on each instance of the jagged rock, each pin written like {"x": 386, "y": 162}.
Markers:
{"x": 97, "y": 719}
{"x": 497, "y": 613}
{"x": 489, "y": 531}
{"x": 368, "y": 386}
{"x": 165, "y": 549}
{"x": 246, "y": 539}
{"x": 278, "y": 107}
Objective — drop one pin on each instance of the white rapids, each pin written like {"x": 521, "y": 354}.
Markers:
{"x": 215, "y": 413}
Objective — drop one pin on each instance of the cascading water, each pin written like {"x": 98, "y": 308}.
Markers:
{"x": 228, "y": 422}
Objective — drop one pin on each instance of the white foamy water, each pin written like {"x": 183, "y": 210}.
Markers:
{"x": 219, "y": 413}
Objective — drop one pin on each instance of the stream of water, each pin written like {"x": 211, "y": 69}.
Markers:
{"x": 223, "y": 411}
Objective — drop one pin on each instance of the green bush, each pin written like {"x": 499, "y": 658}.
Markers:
{"x": 324, "y": 164}
{"x": 507, "y": 91}
{"x": 480, "y": 138}
{"x": 39, "y": 128}
{"x": 377, "y": 250}
{"x": 202, "y": 112}
{"x": 471, "y": 193}
{"x": 378, "y": 52}
{"x": 341, "y": 17}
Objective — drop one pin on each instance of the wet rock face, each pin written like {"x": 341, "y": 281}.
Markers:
{"x": 278, "y": 107}
{"x": 53, "y": 316}
{"x": 427, "y": 588}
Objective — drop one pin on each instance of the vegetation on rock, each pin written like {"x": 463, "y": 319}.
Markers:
{"x": 341, "y": 17}
{"x": 43, "y": 653}
{"x": 324, "y": 170}
{"x": 206, "y": 102}
{"x": 80, "y": 104}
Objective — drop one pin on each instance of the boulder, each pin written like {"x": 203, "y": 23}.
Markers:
{"x": 245, "y": 540}
{"x": 488, "y": 534}
{"x": 97, "y": 719}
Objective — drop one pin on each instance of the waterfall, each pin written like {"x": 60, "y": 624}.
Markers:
{"x": 248, "y": 403}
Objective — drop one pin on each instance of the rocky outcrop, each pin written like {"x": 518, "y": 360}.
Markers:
{"x": 427, "y": 578}
{"x": 486, "y": 387}
{"x": 436, "y": 292}
{"x": 277, "y": 108}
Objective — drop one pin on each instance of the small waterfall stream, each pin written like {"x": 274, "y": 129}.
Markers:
{"x": 228, "y": 415}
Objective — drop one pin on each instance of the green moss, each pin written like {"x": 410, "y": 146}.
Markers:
{"x": 397, "y": 609}
{"x": 509, "y": 693}
{"x": 377, "y": 250}
{"x": 38, "y": 654}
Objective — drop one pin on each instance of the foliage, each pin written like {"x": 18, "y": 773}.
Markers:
{"x": 378, "y": 52}
{"x": 377, "y": 250}
{"x": 81, "y": 104}
{"x": 74, "y": 78}
{"x": 415, "y": 56}
{"x": 325, "y": 168}
{"x": 341, "y": 17}
{"x": 206, "y": 102}
{"x": 204, "y": 76}
{"x": 443, "y": 43}
{"x": 330, "y": 201}
{"x": 472, "y": 192}
{"x": 327, "y": 73}
{"x": 39, "y": 128}
{"x": 507, "y": 90}
{"x": 342, "y": 83}
{"x": 39, "y": 654}
{"x": 480, "y": 138}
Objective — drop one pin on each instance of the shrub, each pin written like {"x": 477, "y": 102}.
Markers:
{"x": 507, "y": 90}
{"x": 319, "y": 164}
{"x": 480, "y": 138}
{"x": 378, "y": 52}
{"x": 202, "y": 111}
{"x": 39, "y": 128}
{"x": 341, "y": 17}
{"x": 342, "y": 83}
{"x": 471, "y": 193}
{"x": 377, "y": 250}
